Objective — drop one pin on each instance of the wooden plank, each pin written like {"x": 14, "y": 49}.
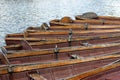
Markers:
{"x": 93, "y": 21}
{"x": 36, "y": 77}
{"x": 4, "y": 58}
{"x": 74, "y": 32}
{"x": 94, "y": 71}
{"x": 102, "y": 17}
{"x": 109, "y": 17}
{"x": 26, "y": 45}
{"x": 4, "y": 69}
{"x": 31, "y": 39}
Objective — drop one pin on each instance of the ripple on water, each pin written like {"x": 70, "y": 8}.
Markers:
{"x": 17, "y": 15}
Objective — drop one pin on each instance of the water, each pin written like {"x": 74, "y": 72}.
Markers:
{"x": 17, "y": 15}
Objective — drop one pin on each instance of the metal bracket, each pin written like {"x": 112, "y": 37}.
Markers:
{"x": 11, "y": 77}
{"x": 86, "y": 26}
{"x": 69, "y": 39}
{"x": 56, "y": 51}
{"x": 85, "y": 44}
{"x": 70, "y": 36}
{"x": 70, "y": 31}
{"x": 45, "y": 26}
{"x": 103, "y": 21}
{"x": 25, "y": 34}
{"x": 10, "y": 69}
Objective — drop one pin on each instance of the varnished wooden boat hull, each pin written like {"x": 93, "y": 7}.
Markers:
{"x": 112, "y": 74}
{"x": 56, "y": 35}
{"x": 101, "y": 17}
{"x": 41, "y": 61}
{"x": 107, "y": 72}
{"x": 63, "y": 33}
{"x": 77, "y": 27}
{"x": 83, "y": 27}
{"x": 23, "y": 56}
{"x": 62, "y": 42}
{"x": 90, "y": 22}
{"x": 58, "y": 69}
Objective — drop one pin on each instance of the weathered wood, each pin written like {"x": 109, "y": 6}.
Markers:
{"x": 6, "y": 62}
{"x": 78, "y": 17}
{"x": 62, "y": 32}
{"x": 109, "y": 18}
{"x": 60, "y": 41}
{"x": 30, "y": 66}
{"x": 77, "y": 27}
{"x": 4, "y": 69}
{"x": 4, "y": 58}
{"x": 77, "y": 22}
{"x": 13, "y": 54}
{"x": 82, "y": 27}
{"x": 14, "y": 40}
{"x": 95, "y": 71}
{"x": 100, "y": 22}
{"x": 74, "y": 32}
{"x": 31, "y": 39}
{"x": 26, "y": 45}
{"x": 42, "y": 36}
{"x": 36, "y": 77}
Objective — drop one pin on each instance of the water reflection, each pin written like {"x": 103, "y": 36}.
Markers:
{"x": 16, "y": 15}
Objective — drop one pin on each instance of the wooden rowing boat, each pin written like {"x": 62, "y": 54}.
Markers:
{"x": 84, "y": 27}
{"x": 45, "y": 44}
{"x": 59, "y": 69}
{"x": 62, "y": 33}
{"x": 57, "y": 22}
{"x": 44, "y": 36}
{"x": 43, "y": 55}
{"x": 92, "y": 15}
{"x": 74, "y": 27}
{"x": 67, "y": 50}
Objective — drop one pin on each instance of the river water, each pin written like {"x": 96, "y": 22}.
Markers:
{"x": 17, "y": 15}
